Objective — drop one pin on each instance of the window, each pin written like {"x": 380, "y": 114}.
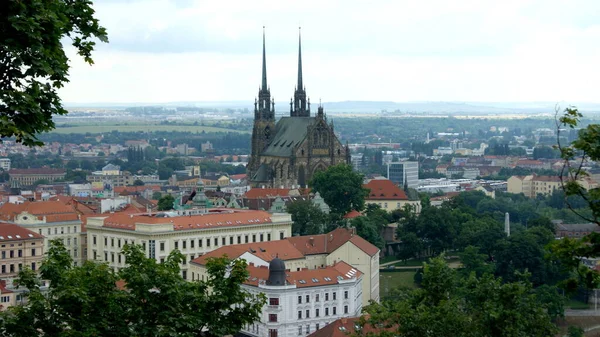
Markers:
{"x": 20, "y": 252}
{"x": 326, "y": 296}
{"x": 62, "y": 230}
{"x": 334, "y": 295}
{"x": 55, "y": 230}
{"x": 246, "y": 239}
{"x": 317, "y": 326}
{"x": 299, "y": 330}
{"x": 307, "y": 329}
{"x": 334, "y": 310}
{"x": 200, "y": 243}
{"x": 346, "y": 294}
{"x": 272, "y": 317}
{"x": 299, "y": 314}
{"x": 112, "y": 257}
{"x": 223, "y": 241}
{"x": 12, "y": 268}
{"x": 119, "y": 243}
{"x": 162, "y": 246}
{"x": 176, "y": 244}
{"x": 112, "y": 242}
{"x": 4, "y": 255}
{"x": 33, "y": 266}
{"x": 3, "y": 269}
{"x": 68, "y": 241}
{"x": 307, "y": 298}
{"x": 12, "y": 253}
{"x": 307, "y": 313}
{"x": 192, "y": 243}
{"x": 262, "y": 237}
{"x": 253, "y": 237}
{"x": 5, "y": 299}
{"x": 94, "y": 239}
{"x": 272, "y": 332}
{"x": 231, "y": 240}
{"x": 216, "y": 241}
{"x": 183, "y": 244}
{"x": 269, "y": 237}
{"x": 345, "y": 309}
{"x": 317, "y": 298}
{"x": 273, "y": 301}
{"x": 184, "y": 274}
{"x": 299, "y": 299}
{"x": 317, "y": 312}
{"x": 74, "y": 229}
{"x": 105, "y": 242}
{"x": 105, "y": 256}
{"x": 281, "y": 236}
{"x": 119, "y": 258}
{"x": 48, "y": 231}
{"x": 326, "y": 311}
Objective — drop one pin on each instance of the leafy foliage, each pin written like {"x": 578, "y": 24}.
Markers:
{"x": 33, "y": 63}
{"x": 165, "y": 203}
{"x": 308, "y": 217}
{"x": 341, "y": 188}
{"x": 156, "y": 301}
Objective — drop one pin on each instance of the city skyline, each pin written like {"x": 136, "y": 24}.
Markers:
{"x": 516, "y": 51}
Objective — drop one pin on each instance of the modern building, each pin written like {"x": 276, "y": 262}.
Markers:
{"x": 19, "y": 247}
{"x": 404, "y": 173}
{"x": 288, "y": 152}
{"x": 27, "y": 177}
{"x": 388, "y": 196}
{"x": 194, "y": 232}
{"x": 301, "y": 302}
{"x": 52, "y": 219}
{"x": 5, "y": 164}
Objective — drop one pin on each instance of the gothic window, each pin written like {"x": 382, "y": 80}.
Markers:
{"x": 339, "y": 152}
{"x": 302, "y": 152}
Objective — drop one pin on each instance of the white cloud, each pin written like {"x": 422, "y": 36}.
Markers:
{"x": 352, "y": 50}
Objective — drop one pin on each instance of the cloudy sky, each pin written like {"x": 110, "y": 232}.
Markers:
{"x": 496, "y": 51}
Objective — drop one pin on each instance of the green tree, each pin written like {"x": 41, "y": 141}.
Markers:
{"x": 341, "y": 188}
{"x": 73, "y": 164}
{"x": 86, "y": 301}
{"x": 307, "y": 217}
{"x": 368, "y": 230}
{"x": 156, "y": 195}
{"x": 33, "y": 62}
{"x": 166, "y": 202}
{"x": 138, "y": 182}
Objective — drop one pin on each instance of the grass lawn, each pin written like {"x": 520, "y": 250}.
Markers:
{"x": 393, "y": 280}
{"x": 104, "y": 128}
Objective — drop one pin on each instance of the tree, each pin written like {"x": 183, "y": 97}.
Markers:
{"x": 307, "y": 217}
{"x": 166, "y": 202}
{"x": 156, "y": 195}
{"x": 86, "y": 301}
{"x": 33, "y": 63}
{"x": 87, "y": 165}
{"x": 367, "y": 229}
{"x": 138, "y": 182}
{"x": 341, "y": 188}
{"x": 73, "y": 164}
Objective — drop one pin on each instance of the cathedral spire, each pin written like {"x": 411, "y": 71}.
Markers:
{"x": 300, "y": 85}
{"x": 264, "y": 64}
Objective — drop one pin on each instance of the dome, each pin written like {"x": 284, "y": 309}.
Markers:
{"x": 276, "y": 272}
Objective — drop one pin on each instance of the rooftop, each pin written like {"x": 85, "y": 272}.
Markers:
{"x": 384, "y": 189}
{"x": 12, "y": 232}
{"x": 305, "y": 278}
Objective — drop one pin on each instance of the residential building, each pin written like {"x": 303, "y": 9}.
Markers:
{"x": 52, "y": 219}
{"x": 308, "y": 252}
{"x": 27, "y": 177}
{"x": 192, "y": 231}
{"x": 111, "y": 170}
{"x": 300, "y": 302}
{"x": 388, "y": 196}
{"x": 532, "y": 185}
{"x": 5, "y": 164}
{"x": 19, "y": 247}
{"x": 575, "y": 230}
{"x": 404, "y": 173}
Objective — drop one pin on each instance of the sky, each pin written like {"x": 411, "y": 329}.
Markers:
{"x": 405, "y": 51}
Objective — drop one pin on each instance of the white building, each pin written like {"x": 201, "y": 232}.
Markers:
{"x": 5, "y": 164}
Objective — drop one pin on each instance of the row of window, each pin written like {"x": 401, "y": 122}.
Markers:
{"x": 317, "y": 297}
{"x": 11, "y": 253}
{"x": 317, "y": 312}
{"x": 11, "y": 268}
{"x": 62, "y": 230}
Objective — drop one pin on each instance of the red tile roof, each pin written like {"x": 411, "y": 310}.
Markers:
{"x": 135, "y": 189}
{"x": 37, "y": 171}
{"x": 327, "y": 243}
{"x": 238, "y": 176}
{"x": 352, "y": 214}
{"x": 54, "y": 211}
{"x": 216, "y": 218}
{"x": 12, "y": 232}
{"x": 305, "y": 278}
{"x": 266, "y": 251}
{"x": 273, "y": 192}
{"x": 384, "y": 189}
{"x": 344, "y": 327}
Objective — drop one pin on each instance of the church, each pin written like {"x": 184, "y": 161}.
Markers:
{"x": 286, "y": 153}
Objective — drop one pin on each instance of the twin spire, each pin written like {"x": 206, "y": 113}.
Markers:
{"x": 299, "y": 105}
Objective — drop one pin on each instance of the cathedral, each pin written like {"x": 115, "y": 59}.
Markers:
{"x": 286, "y": 153}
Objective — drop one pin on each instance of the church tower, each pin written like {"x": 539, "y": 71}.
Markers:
{"x": 300, "y": 107}
{"x": 264, "y": 116}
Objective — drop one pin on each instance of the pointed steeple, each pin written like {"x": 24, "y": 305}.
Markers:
{"x": 264, "y": 64}
{"x": 300, "y": 85}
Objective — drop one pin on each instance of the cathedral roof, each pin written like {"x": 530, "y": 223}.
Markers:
{"x": 291, "y": 131}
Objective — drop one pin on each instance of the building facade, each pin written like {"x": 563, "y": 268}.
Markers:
{"x": 288, "y": 152}
{"x": 5, "y": 164}
{"x": 388, "y": 196}
{"x": 19, "y": 247}
{"x": 193, "y": 232}
{"x": 404, "y": 173}
{"x": 27, "y": 177}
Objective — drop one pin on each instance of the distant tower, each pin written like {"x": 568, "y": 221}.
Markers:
{"x": 507, "y": 224}
{"x": 300, "y": 106}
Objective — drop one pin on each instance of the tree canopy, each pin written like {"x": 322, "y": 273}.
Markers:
{"x": 33, "y": 63}
{"x": 155, "y": 300}
{"x": 341, "y": 188}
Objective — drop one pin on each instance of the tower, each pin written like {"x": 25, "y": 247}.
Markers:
{"x": 300, "y": 107}
{"x": 507, "y": 224}
{"x": 264, "y": 116}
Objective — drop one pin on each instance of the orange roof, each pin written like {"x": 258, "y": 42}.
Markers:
{"x": 384, "y": 189}
{"x": 529, "y": 162}
{"x": 352, "y": 214}
{"x": 307, "y": 277}
{"x": 344, "y": 327}
{"x": 327, "y": 243}
{"x": 266, "y": 251}
{"x": 134, "y": 189}
{"x": 12, "y": 232}
{"x": 54, "y": 211}
{"x": 267, "y": 192}
{"x": 238, "y": 176}
{"x": 221, "y": 217}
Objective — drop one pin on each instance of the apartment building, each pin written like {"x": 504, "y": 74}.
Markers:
{"x": 19, "y": 247}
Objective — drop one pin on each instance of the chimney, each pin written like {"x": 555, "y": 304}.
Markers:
{"x": 311, "y": 241}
